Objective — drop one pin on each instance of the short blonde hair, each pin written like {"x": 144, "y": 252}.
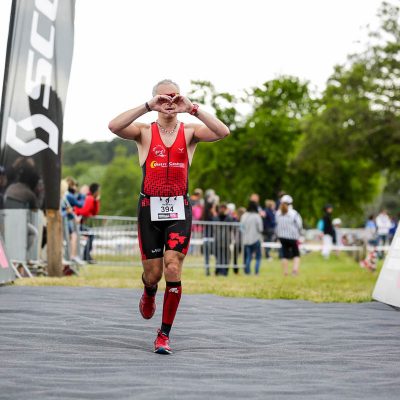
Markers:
{"x": 63, "y": 187}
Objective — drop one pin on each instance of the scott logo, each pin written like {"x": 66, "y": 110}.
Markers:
{"x": 38, "y": 75}
{"x": 26, "y": 143}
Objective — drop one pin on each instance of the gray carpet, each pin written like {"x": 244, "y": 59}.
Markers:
{"x": 87, "y": 343}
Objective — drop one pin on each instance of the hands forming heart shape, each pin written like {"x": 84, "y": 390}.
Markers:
{"x": 170, "y": 105}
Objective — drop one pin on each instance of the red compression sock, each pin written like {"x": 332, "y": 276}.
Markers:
{"x": 172, "y": 296}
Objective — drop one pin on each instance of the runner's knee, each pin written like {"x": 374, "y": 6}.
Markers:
{"x": 151, "y": 278}
{"x": 173, "y": 264}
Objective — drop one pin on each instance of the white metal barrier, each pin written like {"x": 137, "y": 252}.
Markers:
{"x": 213, "y": 244}
{"x": 22, "y": 232}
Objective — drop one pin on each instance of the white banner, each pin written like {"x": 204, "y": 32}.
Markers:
{"x": 36, "y": 75}
{"x": 387, "y": 288}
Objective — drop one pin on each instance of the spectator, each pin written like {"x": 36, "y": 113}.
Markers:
{"x": 240, "y": 212}
{"x": 288, "y": 229}
{"x": 223, "y": 239}
{"x": 338, "y": 236}
{"x": 329, "y": 232}
{"x": 236, "y": 234}
{"x": 236, "y": 237}
{"x": 269, "y": 225}
{"x": 197, "y": 197}
{"x": 252, "y": 226}
{"x": 371, "y": 231}
{"x": 70, "y": 203}
{"x": 211, "y": 197}
{"x": 83, "y": 191}
{"x": 393, "y": 228}
{"x": 70, "y": 219}
{"x": 232, "y": 211}
{"x": 75, "y": 199}
{"x": 197, "y": 203}
{"x": 337, "y": 223}
{"x": 281, "y": 193}
{"x": 23, "y": 191}
{"x": 383, "y": 225}
{"x": 209, "y": 213}
{"x": 91, "y": 208}
{"x": 255, "y": 197}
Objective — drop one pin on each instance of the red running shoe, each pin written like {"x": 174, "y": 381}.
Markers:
{"x": 147, "y": 305}
{"x": 161, "y": 344}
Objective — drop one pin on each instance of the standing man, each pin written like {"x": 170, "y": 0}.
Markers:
{"x": 165, "y": 150}
{"x": 383, "y": 225}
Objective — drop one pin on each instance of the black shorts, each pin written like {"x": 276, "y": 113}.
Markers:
{"x": 157, "y": 236}
{"x": 290, "y": 248}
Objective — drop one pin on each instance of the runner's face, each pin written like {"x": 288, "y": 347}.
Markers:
{"x": 171, "y": 91}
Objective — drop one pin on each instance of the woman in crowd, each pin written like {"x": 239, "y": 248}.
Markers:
{"x": 252, "y": 226}
{"x": 288, "y": 229}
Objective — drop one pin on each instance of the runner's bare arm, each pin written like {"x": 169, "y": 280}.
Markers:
{"x": 212, "y": 130}
{"x": 123, "y": 125}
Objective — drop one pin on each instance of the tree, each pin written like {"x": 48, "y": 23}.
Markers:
{"x": 121, "y": 185}
{"x": 96, "y": 152}
{"x": 255, "y": 156}
{"x": 331, "y": 165}
{"x": 272, "y": 134}
{"x": 214, "y": 164}
{"x": 353, "y": 140}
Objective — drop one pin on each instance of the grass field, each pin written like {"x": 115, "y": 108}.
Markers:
{"x": 339, "y": 279}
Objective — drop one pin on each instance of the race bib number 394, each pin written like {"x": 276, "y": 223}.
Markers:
{"x": 167, "y": 208}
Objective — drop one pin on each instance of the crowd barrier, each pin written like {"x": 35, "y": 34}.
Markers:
{"x": 213, "y": 244}
{"x": 116, "y": 242}
{"x": 22, "y": 231}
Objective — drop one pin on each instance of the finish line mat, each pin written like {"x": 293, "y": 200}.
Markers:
{"x": 89, "y": 343}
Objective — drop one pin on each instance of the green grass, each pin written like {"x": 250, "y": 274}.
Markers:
{"x": 339, "y": 279}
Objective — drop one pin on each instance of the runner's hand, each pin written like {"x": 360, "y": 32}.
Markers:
{"x": 168, "y": 105}
{"x": 161, "y": 103}
{"x": 182, "y": 104}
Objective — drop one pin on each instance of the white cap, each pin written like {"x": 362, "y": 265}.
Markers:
{"x": 231, "y": 207}
{"x": 286, "y": 199}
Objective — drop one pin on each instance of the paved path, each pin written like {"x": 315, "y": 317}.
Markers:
{"x": 88, "y": 343}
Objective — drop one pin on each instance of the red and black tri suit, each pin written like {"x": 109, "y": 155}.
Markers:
{"x": 165, "y": 174}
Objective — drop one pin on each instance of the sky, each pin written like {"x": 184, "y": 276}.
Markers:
{"x": 124, "y": 47}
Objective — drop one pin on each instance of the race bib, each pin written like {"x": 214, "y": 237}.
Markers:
{"x": 167, "y": 208}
